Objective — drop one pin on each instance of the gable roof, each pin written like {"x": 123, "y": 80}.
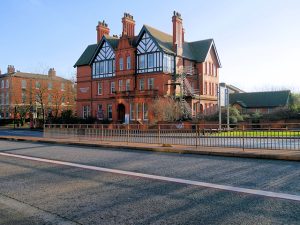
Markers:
{"x": 268, "y": 99}
{"x": 197, "y": 50}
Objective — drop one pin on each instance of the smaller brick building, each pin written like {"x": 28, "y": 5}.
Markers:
{"x": 30, "y": 94}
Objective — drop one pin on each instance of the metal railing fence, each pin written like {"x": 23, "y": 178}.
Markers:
{"x": 251, "y": 136}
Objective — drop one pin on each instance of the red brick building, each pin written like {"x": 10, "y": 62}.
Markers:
{"x": 119, "y": 77}
{"x": 28, "y": 92}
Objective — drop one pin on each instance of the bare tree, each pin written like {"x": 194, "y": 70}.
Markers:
{"x": 166, "y": 109}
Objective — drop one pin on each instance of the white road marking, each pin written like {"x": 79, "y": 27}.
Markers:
{"x": 162, "y": 178}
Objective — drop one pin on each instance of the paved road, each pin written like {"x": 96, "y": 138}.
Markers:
{"x": 45, "y": 193}
{"x": 20, "y": 132}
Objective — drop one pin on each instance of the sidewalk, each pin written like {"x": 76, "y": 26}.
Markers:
{"x": 292, "y": 155}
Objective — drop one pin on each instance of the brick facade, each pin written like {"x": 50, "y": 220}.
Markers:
{"x": 130, "y": 91}
{"x": 26, "y": 92}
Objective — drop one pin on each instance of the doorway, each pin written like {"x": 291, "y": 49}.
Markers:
{"x": 121, "y": 113}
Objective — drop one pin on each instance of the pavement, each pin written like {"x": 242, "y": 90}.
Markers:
{"x": 44, "y": 192}
{"x": 292, "y": 155}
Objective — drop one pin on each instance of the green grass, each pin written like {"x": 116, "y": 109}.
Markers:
{"x": 265, "y": 133}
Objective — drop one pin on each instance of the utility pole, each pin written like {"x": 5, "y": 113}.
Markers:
{"x": 220, "y": 108}
{"x": 227, "y": 106}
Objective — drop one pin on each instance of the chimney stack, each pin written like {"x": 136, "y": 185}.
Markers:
{"x": 178, "y": 33}
{"x": 102, "y": 29}
{"x": 0, "y": 72}
{"x": 11, "y": 69}
{"x": 51, "y": 72}
{"x": 128, "y": 25}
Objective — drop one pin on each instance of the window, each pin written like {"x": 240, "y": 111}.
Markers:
{"x": 112, "y": 87}
{"x": 142, "y": 85}
{"x": 99, "y": 89}
{"x": 128, "y": 60}
{"x": 206, "y": 64}
{"x": 62, "y": 86}
{"x": 37, "y": 84}
{"x": 104, "y": 63}
{"x": 23, "y": 97}
{"x": 63, "y": 99}
{"x": 86, "y": 111}
{"x": 50, "y": 86}
{"x": 109, "y": 112}
{"x": 216, "y": 90}
{"x": 2, "y": 84}
{"x": 131, "y": 108}
{"x": 24, "y": 84}
{"x": 128, "y": 85}
{"x": 145, "y": 111}
{"x": 121, "y": 63}
{"x": 150, "y": 83}
{"x": 205, "y": 88}
{"x": 168, "y": 63}
{"x": 7, "y": 83}
{"x": 138, "y": 111}
{"x": 149, "y": 56}
{"x": 142, "y": 62}
{"x": 120, "y": 85}
{"x": 7, "y": 98}
{"x": 150, "y": 60}
{"x": 49, "y": 99}
{"x": 100, "y": 112}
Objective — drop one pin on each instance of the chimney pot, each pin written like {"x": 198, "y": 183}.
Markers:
{"x": 128, "y": 25}
{"x": 10, "y": 69}
{"x": 51, "y": 72}
{"x": 102, "y": 29}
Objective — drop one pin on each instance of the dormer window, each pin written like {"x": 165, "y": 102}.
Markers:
{"x": 104, "y": 63}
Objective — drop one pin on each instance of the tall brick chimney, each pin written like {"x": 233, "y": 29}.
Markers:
{"x": 128, "y": 25}
{"x": 178, "y": 33}
{"x": 102, "y": 28}
{"x": 51, "y": 72}
{"x": 11, "y": 69}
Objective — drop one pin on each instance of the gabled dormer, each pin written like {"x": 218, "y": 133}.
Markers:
{"x": 103, "y": 61}
{"x": 152, "y": 55}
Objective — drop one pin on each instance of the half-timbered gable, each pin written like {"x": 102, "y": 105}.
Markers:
{"x": 103, "y": 64}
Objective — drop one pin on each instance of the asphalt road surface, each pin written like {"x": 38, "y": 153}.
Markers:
{"x": 20, "y": 132}
{"x": 33, "y": 191}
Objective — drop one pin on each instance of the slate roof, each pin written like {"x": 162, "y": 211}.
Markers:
{"x": 34, "y": 76}
{"x": 268, "y": 99}
{"x": 196, "y": 50}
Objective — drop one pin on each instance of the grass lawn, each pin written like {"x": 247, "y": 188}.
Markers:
{"x": 261, "y": 133}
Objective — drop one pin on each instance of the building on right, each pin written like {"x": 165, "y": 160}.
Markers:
{"x": 262, "y": 102}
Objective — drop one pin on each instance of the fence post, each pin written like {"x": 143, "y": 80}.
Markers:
{"x": 243, "y": 130}
{"x": 127, "y": 134}
{"x": 196, "y": 136}
{"x": 158, "y": 133}
{"x": 102, "y": 132}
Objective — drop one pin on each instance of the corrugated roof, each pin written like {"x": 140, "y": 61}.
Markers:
{"x": 261, "y": 99}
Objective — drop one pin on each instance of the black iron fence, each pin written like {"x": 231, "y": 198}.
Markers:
{"x": 252, "y": 136}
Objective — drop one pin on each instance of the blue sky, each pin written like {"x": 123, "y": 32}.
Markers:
{"x": 258, "y": 41}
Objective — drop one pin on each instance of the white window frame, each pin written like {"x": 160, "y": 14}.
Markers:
{"x": 121, "y": 64}
{"x": 120, "y": 83}
{"x": 109, "y": 110}
{"x": 142, "y": 84}
{"x": 128, "y": 62}
{"x": 145, "y": 112}
{"x": 112, "y": 87}
{"x": 127, "y": 87}
{"x": 7, "y": 83}
{"x": 131, "y": 111}
{"x": 150, "y": 83}
{"x": 23, "y": 84}
{"x": 85, "y": 111}
{"x": 99, "y": 88}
